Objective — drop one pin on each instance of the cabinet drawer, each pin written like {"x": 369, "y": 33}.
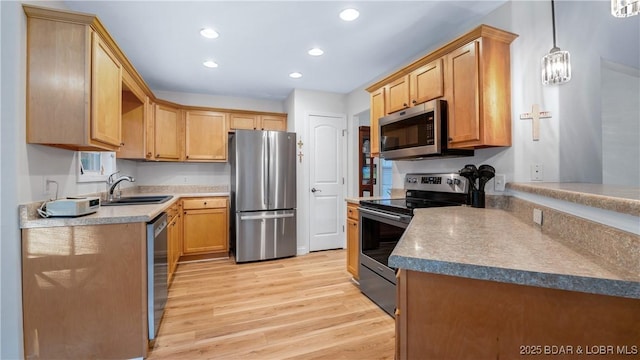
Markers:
{"x": 352, "y": 211}
{"x": 204, "y": 203}
{"x": 172, "y": 212}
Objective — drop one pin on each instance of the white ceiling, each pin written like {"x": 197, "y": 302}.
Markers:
{"x": 261, "y": 42}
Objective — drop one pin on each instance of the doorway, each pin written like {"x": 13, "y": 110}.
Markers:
{"x": 326, "y": 180}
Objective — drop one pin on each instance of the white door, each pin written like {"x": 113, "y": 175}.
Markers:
{"x": 326, "y": 182}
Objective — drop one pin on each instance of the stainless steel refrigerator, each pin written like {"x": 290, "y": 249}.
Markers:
{"x": 263, "y": 194}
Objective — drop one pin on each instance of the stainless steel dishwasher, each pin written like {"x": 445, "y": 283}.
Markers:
{"x": 157, "y": 270}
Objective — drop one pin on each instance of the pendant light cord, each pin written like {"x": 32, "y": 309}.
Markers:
{"x": 553, "y": 23}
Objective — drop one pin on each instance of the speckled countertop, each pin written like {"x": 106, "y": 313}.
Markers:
{"x": 29, "y": 218}
{"x": 622, "y": 199}
{"x": 491, "y": 244}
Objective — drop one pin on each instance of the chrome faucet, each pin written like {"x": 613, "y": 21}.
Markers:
{"x": 114, "y": 182}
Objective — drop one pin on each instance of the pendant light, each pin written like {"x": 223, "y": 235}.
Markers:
{"x": 556, "y": 65}
{"x": 625, "y": 8}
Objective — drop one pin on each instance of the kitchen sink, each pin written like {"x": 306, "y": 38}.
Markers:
{"x": 138, "y": 200}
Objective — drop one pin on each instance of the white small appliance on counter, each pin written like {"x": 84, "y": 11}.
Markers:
{"x": 71, "y": 206}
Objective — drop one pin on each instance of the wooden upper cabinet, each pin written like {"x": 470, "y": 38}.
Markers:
{"x": 242, "y": 121}
{"x": 136, "y": 115}
{"x": 106, "y": 93}
{"x": 472, "y": 73}
{"x": 73, "y": 82}
{"x": 273, "y": 122}
{"x": 426, "y": 83}
{"x": 206, "y": 136}
{"x": 397, "y": 95}
{"x": 167, "y": 133}
{"x": 463, "y": 105}
{"x": 377, "y": 111}
{"x": 478, "y": 93}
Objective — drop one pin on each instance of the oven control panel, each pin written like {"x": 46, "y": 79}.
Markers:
{"x": 453, "y": 183}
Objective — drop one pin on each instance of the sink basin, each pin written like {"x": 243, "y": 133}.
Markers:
{"x": 138, "y": 200}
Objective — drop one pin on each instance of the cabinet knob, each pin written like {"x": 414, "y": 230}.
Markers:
{"x": 121, "y": 144}
{"x": 450, "y": 139}
{"x": 187, "y": 156}
{"x": 414, "y": 101}
{"x": 205, "y": 203}
{"x": 157, "y": 155}
{"x": 405, "y": 104}
{"x": 149, "y": 154}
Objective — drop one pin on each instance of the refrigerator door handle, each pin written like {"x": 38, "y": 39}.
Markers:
{"x": 265, "y": 171}
{"x": 264, "y": 217}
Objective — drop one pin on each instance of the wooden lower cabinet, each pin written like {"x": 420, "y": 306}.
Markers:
{"x": 174, "y": 238}
{"x": 447, "y": 317}
{"x": 353, "y": 235}
{"x": 206, "y": 226}
{"x": 84, "y": 292}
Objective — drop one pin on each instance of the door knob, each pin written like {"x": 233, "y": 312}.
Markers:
{"x": 314, "y": 190}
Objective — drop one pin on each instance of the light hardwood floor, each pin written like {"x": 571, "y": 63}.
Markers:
{"x": 304, "y": 307}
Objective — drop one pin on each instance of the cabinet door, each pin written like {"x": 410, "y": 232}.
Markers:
{"x": 397, "y": 95}
{"x": 377, "y": 111}
{"x": 462, "y": 78}
{"x": 171, "y": 247}
{"x": 426, "y": 83}
{"x": 206, "y": 136}
{"x": 106, "y": 90}
{"x": 243, "y": 121}
{"x": 352, "y": 247}
{"x": 205, "y": 231}
{"x": 273, "y": 122}
{"x": 167, "y": 132}
{"x": 134, "y": 120}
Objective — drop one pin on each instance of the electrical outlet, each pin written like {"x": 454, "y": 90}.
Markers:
{"x": 499, "y": 182}
{"x": 537, "y": 216}
{"x": 537, "y": 172}
{"x": 46, "y": 186}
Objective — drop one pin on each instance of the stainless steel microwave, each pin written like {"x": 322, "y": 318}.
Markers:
{"x": 417, "y": 133}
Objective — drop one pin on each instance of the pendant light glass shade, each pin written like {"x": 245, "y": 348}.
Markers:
{"x": 625, "y": 8}
{"x": 556, "y": 65}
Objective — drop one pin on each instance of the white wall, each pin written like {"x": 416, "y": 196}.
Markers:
{"x": 300, "y": 104}
{"x": 163, "y": 173}
{"x": 358, "y": 103}
{"x": 225, "y": 102}
{"x": 620, "y": 125}
{"x": 589, "y": 32}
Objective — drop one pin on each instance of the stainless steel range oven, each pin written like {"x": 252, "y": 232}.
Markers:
{"x": 382, "y": 223}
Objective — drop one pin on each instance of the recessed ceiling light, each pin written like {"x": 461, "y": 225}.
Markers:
{"x": 210, "y": 64}
{"x": 209, "y": 33}
{"x": 315, "y": 52}
{"x": 295, "y": 75}
{"x": 349, "y": 14}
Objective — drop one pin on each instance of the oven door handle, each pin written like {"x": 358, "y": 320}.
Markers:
{"x": 384, "y": 215}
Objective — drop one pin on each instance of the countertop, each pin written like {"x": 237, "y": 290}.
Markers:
{"x": 492, "y": 244}
{"x": 618, "y": 198}
{"x": 29, "y": 218}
